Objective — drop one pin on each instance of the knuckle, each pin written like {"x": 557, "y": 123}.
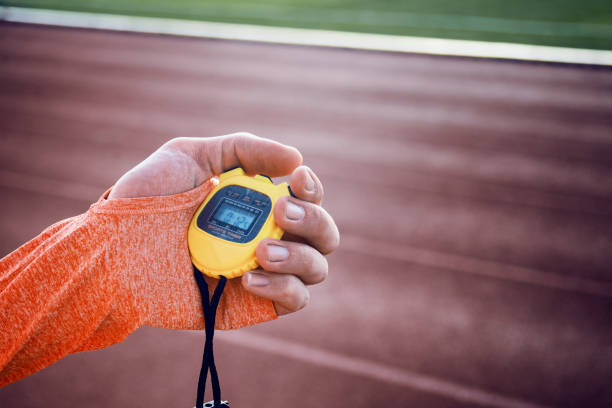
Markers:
{"x": 320, "y": 192}
{"x": 176, "y": 143}
{"x": 331, "y": 238}
{"x": 243, "y": 135}
{"x": 305, "y": 300}
{"x": 324, "y": 271}
{"x": 296, "y": 297}
{"x": 317, "y": 269}
{"x": 308, "y": 260}
{"x": 182, "y": 145}
{"x": 334, "y": 241}
{"x": 317, "y": 218}
{"x": 289, "y": 293}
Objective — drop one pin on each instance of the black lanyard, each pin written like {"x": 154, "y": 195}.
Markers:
{"x": 208, "y": 359}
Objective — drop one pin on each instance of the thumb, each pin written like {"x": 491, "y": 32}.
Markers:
{"x": 255, "y": 155}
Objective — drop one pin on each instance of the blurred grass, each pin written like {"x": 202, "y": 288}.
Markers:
{"x": 570, "y": 23}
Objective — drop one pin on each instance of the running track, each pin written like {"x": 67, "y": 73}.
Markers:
{"x": 474, "y": 199}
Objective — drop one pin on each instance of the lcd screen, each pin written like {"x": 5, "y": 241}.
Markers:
{"x": 234, "y": 216}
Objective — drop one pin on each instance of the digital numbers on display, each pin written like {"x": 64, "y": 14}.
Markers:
{"x": 234, "y": 216}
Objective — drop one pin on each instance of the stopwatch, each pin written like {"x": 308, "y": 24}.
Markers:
{"x": 225, "y": 230}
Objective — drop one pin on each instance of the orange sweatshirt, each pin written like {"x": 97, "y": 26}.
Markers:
{"x": 89, "y": 281}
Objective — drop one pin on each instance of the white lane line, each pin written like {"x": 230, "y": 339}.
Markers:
{"x": 370, "y": 369}
{"x": 366, "y": 246}
{"x": 295, "y": 36}
{"x": 367, "y": 17}
{"x": 458, "y": 263}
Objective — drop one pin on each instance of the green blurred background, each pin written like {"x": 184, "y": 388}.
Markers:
{"x": 583, "y": 24}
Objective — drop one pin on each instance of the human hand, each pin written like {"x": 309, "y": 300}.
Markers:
{"x": 286, "y": 266}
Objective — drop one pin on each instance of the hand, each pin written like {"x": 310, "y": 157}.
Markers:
{"x": 310, "y": 233}
{"x": 286, "y": 266}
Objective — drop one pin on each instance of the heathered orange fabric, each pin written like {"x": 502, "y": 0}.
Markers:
{"x": 89, "y": 281}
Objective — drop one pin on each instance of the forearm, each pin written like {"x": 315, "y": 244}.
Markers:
{"x": 56, "y": 293}
{"x": 89, "y": 281}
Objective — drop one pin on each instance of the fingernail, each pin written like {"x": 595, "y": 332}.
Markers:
{"x": 294, "y": 212}
{"x": 257, "y": 279}
{"x": 277, "y": 253}
{"x": 309, "y": 184}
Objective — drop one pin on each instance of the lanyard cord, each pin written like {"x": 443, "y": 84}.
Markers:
{"x": 208, "y": 359}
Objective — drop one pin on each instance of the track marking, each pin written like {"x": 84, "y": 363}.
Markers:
{"x": 459, "y": 263}
{"x": 370, "y": 247}
{"x": 370, "y": 369}
{"x": 368, "y": 17}
{"x": 309, "y": 37}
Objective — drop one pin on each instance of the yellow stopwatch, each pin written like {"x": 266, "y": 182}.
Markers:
{"x": 234, "y": 218}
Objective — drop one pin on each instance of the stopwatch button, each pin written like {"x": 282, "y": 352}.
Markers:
{"x": 263, "y": 177}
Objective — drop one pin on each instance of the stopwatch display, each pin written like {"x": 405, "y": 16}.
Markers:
{"x": 236, "y": 213}
{"x": 230, "y": 214}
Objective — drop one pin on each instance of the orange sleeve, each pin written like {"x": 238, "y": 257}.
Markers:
{"x": 89, "y": 281}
